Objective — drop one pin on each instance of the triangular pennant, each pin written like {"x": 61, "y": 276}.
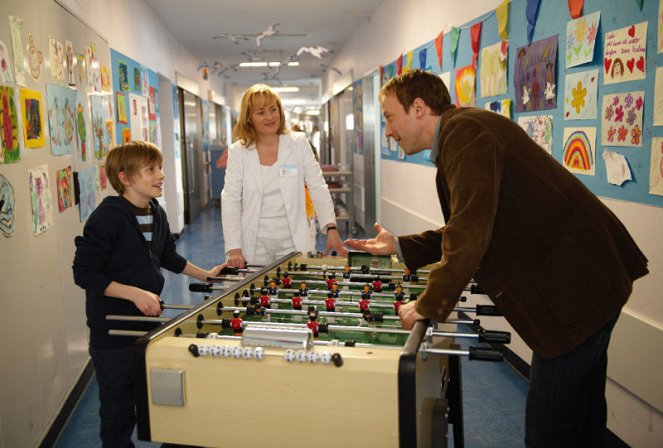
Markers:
{"x": 502, "y": 13}
{"x": 531, "y": 11}
{"x": 399, "y": 65}
{"x": 408, "y": 61}
{"x": 639, "y": 2}
{"x": 575, "y": 8}
{"x": 475, "y": 35}
{"x": 423, "y": 54}
{"x": 438, "y": 49}
{"x": 455, "y": 35}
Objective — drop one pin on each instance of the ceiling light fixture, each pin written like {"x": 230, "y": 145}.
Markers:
{"x": 265, "y": 64}
{"x": 285, "y": 89}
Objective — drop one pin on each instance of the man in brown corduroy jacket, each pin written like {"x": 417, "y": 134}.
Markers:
{"x": 553, "y": 258}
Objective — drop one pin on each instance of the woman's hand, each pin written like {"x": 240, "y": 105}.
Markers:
{"x": 384, "y": 243}
{"x": 235, "y": 258}
{"x": 334, "y": 243}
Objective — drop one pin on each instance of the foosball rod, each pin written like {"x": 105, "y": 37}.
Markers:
{"x": 342, "y": 268}
{"x": 320, "y": 302}
{"x": 483, "y": 335}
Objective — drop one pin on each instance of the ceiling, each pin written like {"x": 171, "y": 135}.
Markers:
{"x": 223, "y": 33}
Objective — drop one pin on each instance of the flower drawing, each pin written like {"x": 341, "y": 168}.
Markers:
{"x": 591, "y": 33}
{"x": 621, "y": 134}
{"x": 611, "y": 134}
{"x": 609, "y": 111}
{"x": 581, "y": 30}
{"x": 578, "y": 93}
{"x": 635, "y": 135}
{"x": 628, "y": 100}
{"x": 630, "y": 119}
{"x": 638, "y": 103}
{"x": 619, "y": 113}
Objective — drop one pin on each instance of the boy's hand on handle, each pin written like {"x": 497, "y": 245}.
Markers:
{"x": 384, "y": 242}
{"x": 147, "y": 302}
{"x": 216, "y": 270}
{"x": 409, "y": 315}
{"x": 236, "y": 258}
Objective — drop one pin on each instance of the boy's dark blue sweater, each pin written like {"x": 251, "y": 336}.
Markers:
{"x": 113, "y": 248}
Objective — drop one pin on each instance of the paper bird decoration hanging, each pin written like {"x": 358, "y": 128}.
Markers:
{"x": 235, "y": 38}
{"x": 270, "y": 31}
{"x": 315, "y": 51}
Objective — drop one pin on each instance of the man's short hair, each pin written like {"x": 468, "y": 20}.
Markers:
{"x": 130, "y": 157}
{"x": 419, "y": 84}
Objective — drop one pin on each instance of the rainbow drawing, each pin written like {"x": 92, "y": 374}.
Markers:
{"x": 579, "y": 154}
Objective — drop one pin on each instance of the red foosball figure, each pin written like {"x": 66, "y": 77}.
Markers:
{"x": 399, "y": 296}
{"x": 334, "y": 291}
{"x": 313, "y": 324}
{"x": 236, "y": 323}
{"x": 265, "y": 300}
{"x": 286, "y": 280}
{"x": 330, "y": 302}
{"x": 377, "y": 285}
{"x": 364, "y": 303}
{"x": 303, "y": 290}
{"x": 296, "y": 302}
{"x": 331, "y": 280}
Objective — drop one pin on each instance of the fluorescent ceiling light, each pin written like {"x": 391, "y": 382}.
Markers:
{"x": 312, "y": 112}
{"x": 293, "y": 101}
{"x": 285, "y": 89}
{"x": 265, "y": 64}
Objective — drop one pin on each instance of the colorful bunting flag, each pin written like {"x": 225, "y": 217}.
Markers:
{"x": 531, "y": 11}
{"x": 455, "y": 35}
{"x": 399, "y": 65}
{"x": 438, "y": 48}
{"x": 502, "y": 13}
{"x": 575, "y": 8}
{"x": 475, "y": 33}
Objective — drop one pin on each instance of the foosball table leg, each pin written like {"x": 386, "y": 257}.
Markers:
{"x": 455, "y": 397}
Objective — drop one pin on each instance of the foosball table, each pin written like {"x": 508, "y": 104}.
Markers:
{"x": 304, "y": 352}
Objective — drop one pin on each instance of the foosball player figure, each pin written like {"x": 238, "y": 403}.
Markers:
{"x": 265, "y": 300}
{"x": 312, "y": 323}
{"x": 331, "y": 280}
{"x": 409, "y": 276}
{"x": 334, "y": 291}
{"x": 271, "y": 290}
{"x": 259, "y": 310}
{"x": 286, "y": 280}
{"x": 366, "y": 290}
{"x": 377, "y": 285}
{"x": 398, "y": 302}
{"x": 346, "y": 272}
{"x": 296, "y": 302}
{"x": 303, "y": 290}
{"x": 365, "y": 302}
{"x": 330, "y": 302}
{"x": 236, "y": 323}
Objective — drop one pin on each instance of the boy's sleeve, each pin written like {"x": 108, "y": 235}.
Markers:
{"x": 170, "y": 259}
{"x": 93, "y": 250}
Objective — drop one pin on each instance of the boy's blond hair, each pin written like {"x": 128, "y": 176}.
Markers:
{"x": 130, "y": 157}
{"x": 244, "y": 130}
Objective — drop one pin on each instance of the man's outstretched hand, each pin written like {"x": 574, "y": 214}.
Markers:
{"x": 384, "y": 243}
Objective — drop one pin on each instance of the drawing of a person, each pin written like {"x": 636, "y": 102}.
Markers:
{"x": 617, "y": 69}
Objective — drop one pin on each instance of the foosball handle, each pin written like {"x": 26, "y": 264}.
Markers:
{"x": 229, "y": 270}
{"x": 476, "y": 289}
{"x": 488, "y": 310}
{"x": 200, "y": 287}
{"x": 193, "y": 349}
{"x": 503, "y": 337}
{"x": 485, "y": 354}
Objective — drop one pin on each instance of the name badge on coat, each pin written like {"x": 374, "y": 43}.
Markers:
{"x": 288, "y": 170}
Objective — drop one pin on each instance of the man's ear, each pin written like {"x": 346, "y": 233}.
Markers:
{"x": 419, "y": 107}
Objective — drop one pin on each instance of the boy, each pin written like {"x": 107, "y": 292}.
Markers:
{"x": 125, "y": 242}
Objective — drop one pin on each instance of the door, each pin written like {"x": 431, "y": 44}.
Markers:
{"x": 192, "y": 151}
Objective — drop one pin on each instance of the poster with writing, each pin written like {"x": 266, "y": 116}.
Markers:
{"x": 658, "y": 97}
{"x": 579, "y": 150}
{"x": 64, "y": 187}
{"x": 656, "y": 167}
{"x": 535, "y": 76}
{"x": 493, "y": 69}
{"x": 580, "y": 39}
{"x": 580, "y": 93}
{"x": 40, "y": 195}
{"x": 622, "y": 119}
{"x": 465, "y": 86}
{"x": 624, "y": 54}
{"x": 539, "y": 128}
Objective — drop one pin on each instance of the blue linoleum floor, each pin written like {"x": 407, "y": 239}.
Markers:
{"x": 493, "y": 394}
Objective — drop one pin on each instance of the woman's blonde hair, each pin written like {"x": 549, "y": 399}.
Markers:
{"x": 244, "y": 130}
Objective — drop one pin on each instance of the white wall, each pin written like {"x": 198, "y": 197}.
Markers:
{"x": 401, "y": 25}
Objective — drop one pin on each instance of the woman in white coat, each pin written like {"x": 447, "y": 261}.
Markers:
{"x": 263, "y": 207}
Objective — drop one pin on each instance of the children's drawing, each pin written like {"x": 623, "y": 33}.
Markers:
{"x": 64, "y": 187}
{"x": 580, "y": 39}
{"x": 493, "y": 69}
{"x": 33, "y": 118}
{"x": 502, "y": 107}
{"x": 658, "y": 97}
{"x": 123, "y": 76}
{"x": 464, "y": 83}
{"x": 539, "y": 128}
{"x": 82, "y": 128}
{"x": 5, "y": 65}
{"x": 98, "y": 126}
{"x": 535, "y": 75}
{"x": 656, "y": 167}
{"x": 70, "y": 62}
{"x": 61, "y": 107}
{"x": 9, "y": 151}
{"x": 80, "y": 68}
{"x": 624, "y": 54}
{"x": 87, "y": 185}
{"x": 92, "y": 68}
{"x": 40, "y": 194}
{"x": 6, "y": 207}
{"x": 103, "y": 179}
{"x": 16, "y": 30}
{"x": 580, "y": 93}
{"x": 579, "y": 156}
{"x": 35, "y": 58}
{"x": 57, "y": 58}
{"x": 622, "y": 119}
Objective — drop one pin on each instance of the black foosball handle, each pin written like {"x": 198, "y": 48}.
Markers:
{"x": 230, "y": 270}
{"x": 503, "y": 337}
{"x": 485, "y": 354}
{"x": 476, "y": 289}
{"x": 488, "y": 310}
{"x": 200, "y": 287}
